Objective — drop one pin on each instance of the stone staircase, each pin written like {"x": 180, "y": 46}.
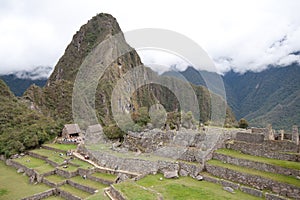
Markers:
{"x": 258, "y": 175}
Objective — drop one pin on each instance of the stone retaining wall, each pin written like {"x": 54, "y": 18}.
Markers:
{"x": 116, "y": 194}
{"x": 250, "y": 137}
{"x": 51, "y": 184}
{"x": 274, "y": 197}
{"x": 28, "y": 171}
{"x": 86, "y": 172}
{"x": 257, "y": 182}
{"x": 41, "y": 195}
{"x": 54, "y": 164}
{"x": 66, "y": 174}
{"x": 35, "y": 155}
{"x": 53, "y": 149}
{"x": 251, "y": 191}
{"x": 256, "y": 165}
{"x": 82, "y": 187}
{"x": 236, "y": 186}
{"x": 100, "y": 180}
{"x": 144, "y": 166}
{"x": 67, "y": 195}
{"x": 269, "y": 149}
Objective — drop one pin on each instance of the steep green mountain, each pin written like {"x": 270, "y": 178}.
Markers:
{"x": 270, "y": 96}
{"x": 55, "y": 99}
{"x": 21, "y": 128}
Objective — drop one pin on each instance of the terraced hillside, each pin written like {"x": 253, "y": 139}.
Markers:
{"x": 259, "y": 175}
{"x": 60, "y": 176}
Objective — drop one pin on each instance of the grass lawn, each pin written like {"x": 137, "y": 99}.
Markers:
{"x": 87, "y": 182}
{"x": 98, "y": 196}
{"x": 183, "y": 188}
{"x": 51, "y": 155}
{"x": 281, "y": 163}
{"x": 82, "y": 164}
{"x": 109, "y": 177}
{"x": 16, "y": 186}
{"x": 70, "y": 168}
{"x": 276, "y": 177}
{"x": 75, "y": 191}
{"x": 55, "y": 178}
{"x": 44, "y": 152}
{"x": 64, "y": 147}
{"x": 39, "y": 165}
{"x": 134, "y": 191}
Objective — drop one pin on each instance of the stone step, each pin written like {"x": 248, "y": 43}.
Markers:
{"x": 260, "y": 163}
{"x": 286, "y": 186}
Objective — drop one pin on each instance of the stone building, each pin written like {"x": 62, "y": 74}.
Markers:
{"x": 71, "y": 131}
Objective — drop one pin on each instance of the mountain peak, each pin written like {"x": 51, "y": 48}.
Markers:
{"x": 89, "y": 35}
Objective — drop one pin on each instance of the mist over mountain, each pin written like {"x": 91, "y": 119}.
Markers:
{"x": 20, "y": 81}
{"x": 270, "y": 96}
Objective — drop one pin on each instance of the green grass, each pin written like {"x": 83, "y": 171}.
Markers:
{"x": 51, "y": 155}
{"x": 182, "y": 188}
{"x": 16, "y": 186}
{"x": 281, "y": 163}
{"x": 276, "y": 177}
{"x": 70, "y": 168}
{"x": 75, "y": 191}
{"x": 55, "y": 178}
{"x": 134, "y": 191}
{"x": 82, "y": 164}
{"x": 37, "y": 164}
{"x": 109, "y": 177}
{"x": 87, "y": 182}
{"x": 98, "y": 196}
{"x": 43, "y": 152}
{"x": 57, "y": 159}
{"x": 63, "y": 147}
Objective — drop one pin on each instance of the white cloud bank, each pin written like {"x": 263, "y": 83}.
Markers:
{"x": 239, "y": 35}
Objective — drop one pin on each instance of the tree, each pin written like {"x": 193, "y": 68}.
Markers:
{"x": 243, "y": 123}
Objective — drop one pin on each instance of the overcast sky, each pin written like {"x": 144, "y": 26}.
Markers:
{"x": 239, "y": 35}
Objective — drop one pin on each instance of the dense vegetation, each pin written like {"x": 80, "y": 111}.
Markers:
{"x": 267, "y": 97}
{"x": 20, "y": 127}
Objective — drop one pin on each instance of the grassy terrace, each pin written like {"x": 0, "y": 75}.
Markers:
{"x": 276, "y": 177}
{"x": 55, "y": 178}
{"x": 75, "y": 191}
{"x": 37, "y": 164}
{"x": 16, "y": 186}
{"x": 98, "y": 196}
{"x": 82, "y": 164}
{"x": 64, "y": 147}
{"x": 109, "y": 177}
{"x": 151, "y": 187}
{"x": 70, "y": 168}
{"x": 281, "y": 163}
{"x": 87, "y": 182}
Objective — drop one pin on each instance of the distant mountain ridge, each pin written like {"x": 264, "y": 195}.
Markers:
{"x": 271, "y": 96}
{"x": 20, "y": 81}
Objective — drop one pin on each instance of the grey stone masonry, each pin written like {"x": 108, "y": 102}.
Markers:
{"x": 251, "y": 191}
{"x": 41, "y": 195}
{"x": 256, "y": 165}
{"x": 295, "y": 135}
{"x": 258, "y": 182}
